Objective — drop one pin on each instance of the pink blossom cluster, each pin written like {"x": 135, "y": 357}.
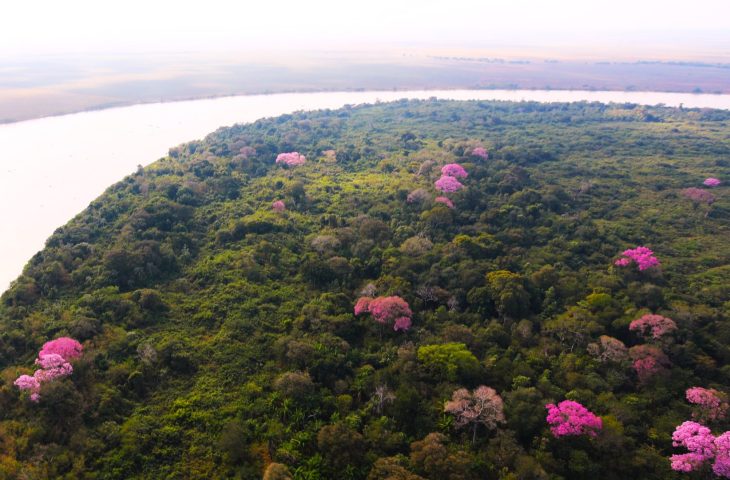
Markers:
{"x": 448, "y": 184}
{"x": 386, "y": 310}
{"x": 54, "y": 360}
{"x": 648, "y": 360}
{"x": 445, "y": 200}
{"x": 699, "y": 195}
{"x": 712, "y": 404}
{"x": 711, "y": 182}
{"x": 278, "y": 206}
{"x": 702, "y": 447}
{"x": 572, "y": 418}
{"x": 642, "y": 256}
{"x": 291, "y": 158}
{"x": 66, "y": 347}
{"x": 654, "y": 326}
{"x": 454, "y": 170}
{"x": 480, "y": 152}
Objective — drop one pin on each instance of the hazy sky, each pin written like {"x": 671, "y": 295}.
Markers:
{"x": 76, "y": 26}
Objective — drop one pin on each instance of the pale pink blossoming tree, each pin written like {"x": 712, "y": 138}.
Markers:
{"x": 291, "y": 159}
{"x": 483, "y": 406}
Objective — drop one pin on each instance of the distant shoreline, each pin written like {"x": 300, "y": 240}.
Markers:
{"x": 351, "y": 90}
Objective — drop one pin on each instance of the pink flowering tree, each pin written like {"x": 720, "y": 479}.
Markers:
{"x": 698, "y": 195}
{"x": 480, "y": 152}
{"x": 448, "y": 184}
{"x": 702, "y": 448}
{"x": 454, "y": 170}
{"x": 278, "y": 206}
{"x": 648, "y": 361}
{"x": 386, "y": 311}
{"x": 571, "y": 418}
{"x": 291, "y": 159}
{"x": 445, "y": 200}
{"x": 362, "y": 305}
{"x": 483, "y": 406}
{"x": 643, "y": 257}
{"x": 653, "y": 327}
{"x": 54, "y": 360}
{"x": 712, "y": 405}
{"x": 711, "y": 182}
{"x": 66, "y": 347}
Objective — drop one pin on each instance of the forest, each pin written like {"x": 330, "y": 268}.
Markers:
{"x": 406, "y": 291}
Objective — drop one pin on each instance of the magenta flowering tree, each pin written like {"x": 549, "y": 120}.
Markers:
{"x": 711, "y": 182}
{"x": 698, "y": 195}
{"x": 702, "y": 448}
{"x": 278, "y": 206}
{"x": 642, "y": 256}
{"x": 700, "y": 443}
{"x": 712, "y": 405}
{"x": 480, "y": 152}
{"x": 66, "y": 347}
{"x": 454, "y": 170}
{"x": 652, "y": 326}
{"x": 445, "y": 200}
{"x": 448, "y": 184}
{"x": 291, "y": 159}
{"x": 386, "y": 311}
{"x": 571, "y": 418}
{"x": 648, "y": 360}
{"x": 483, "y": 406}
{"x": 53, "y": 359}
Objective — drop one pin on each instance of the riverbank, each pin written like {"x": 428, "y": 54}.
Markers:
{"x": 28, "y": 91}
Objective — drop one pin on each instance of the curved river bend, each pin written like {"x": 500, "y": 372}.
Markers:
{"x": 52, "y": 168}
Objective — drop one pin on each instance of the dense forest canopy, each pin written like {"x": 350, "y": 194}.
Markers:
{"x": 411, "y": 290}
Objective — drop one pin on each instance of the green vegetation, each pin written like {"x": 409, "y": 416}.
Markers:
{"x": 219, "y": 335}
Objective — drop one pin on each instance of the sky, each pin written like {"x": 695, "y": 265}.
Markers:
{"x": 35, "y": 27}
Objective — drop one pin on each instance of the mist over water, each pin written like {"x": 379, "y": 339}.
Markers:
{"x": 52, "y": 168}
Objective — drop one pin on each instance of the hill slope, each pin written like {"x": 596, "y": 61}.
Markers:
{"x": 219, "y": 333}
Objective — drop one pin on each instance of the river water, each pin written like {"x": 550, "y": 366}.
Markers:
{"x": 52, "y": 168}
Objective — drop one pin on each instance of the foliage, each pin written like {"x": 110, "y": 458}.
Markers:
{"x": 219, "y": 337}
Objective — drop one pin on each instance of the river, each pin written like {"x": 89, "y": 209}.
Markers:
{"x": 52, "y": 168}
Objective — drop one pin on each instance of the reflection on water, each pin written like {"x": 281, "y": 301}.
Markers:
{"x": 51, "y": 168}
